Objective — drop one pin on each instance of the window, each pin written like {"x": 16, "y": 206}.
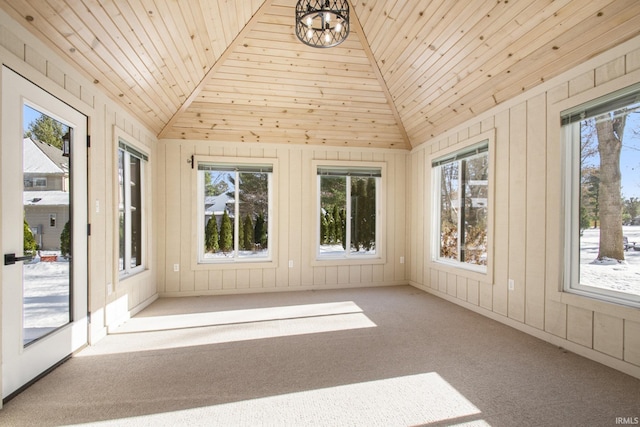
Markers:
{"x": 40, "y": 182}
{"x": 131, "y": 178}
{"x": 348, "y": 198}
{"x": 234, "y": 212}
{"x": 460, "y": 185}
{"x": 602, "y": 190}
{"x": 52, "y": 220}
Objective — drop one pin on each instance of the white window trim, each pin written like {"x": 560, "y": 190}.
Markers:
{"x": 571, "y": 198}
{"x": 198, "y": 261}
{"x": 484, "y": 274}
{"x": 145, "y": 172}
{"x": 381, "y": 219}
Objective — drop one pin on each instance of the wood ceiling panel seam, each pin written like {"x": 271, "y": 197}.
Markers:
{"x": 277, "y": 64}
{"x": 307, "y": 91}
{"x": 268, "y": 76}
{"x": 344, "y": 106}
{"x": 387, "y": 46}
{"x": 442, "y": 51}
{"x": 539, "y": 36}
{"x": 474, "y": 66}
{"x": 199, "y": 33}
{"x": 173, "y": 29}
{"x": 234, "y": 110}
{"x": 142, "y": 41}
{"x": 155, "y": 45}
{"x": 376, "y": 20}
{"x": 125, "y": 55}
{"x": 212, "y": 15}
{"x": 441, "y": 45}
{"x": 381, "y": 80}
{"x": 82, "y": 49}
{"x": 396, "y": 16}
{"x": 268, "y": 122}
{"x": 201, "y": 84}
{"x": 512, "y": 86}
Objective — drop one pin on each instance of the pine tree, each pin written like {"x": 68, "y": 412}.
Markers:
{"x": 211, "y": 238}
{"x": 371, "y": 214}
{"x": 65, "y": 240}
{"x": 260, "y": 231}
{"x": 324, "y": 229}
{"x": 46, "y": 129}
{"x": 336, "y": 227}
{"x": 248, "y": 233}
{"x": 29, "y": 242}
{"x": 226, "y": 233}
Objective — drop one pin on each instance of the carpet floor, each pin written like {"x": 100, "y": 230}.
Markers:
{"x": 392, "y": 356}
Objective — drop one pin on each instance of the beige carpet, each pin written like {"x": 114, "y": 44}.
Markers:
{"x": 364, "y": 357}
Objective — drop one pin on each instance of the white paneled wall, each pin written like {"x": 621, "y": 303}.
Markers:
{"x": 528, "y": 215}
{"x": 295, "y": 227}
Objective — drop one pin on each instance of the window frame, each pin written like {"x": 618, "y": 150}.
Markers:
{"x": 570, "y": 120}
{"x": 380, "y": 245}
{"x": 130, "y": 148}
{"x": 199, "y": 262}
{"x": 483, "y": 273}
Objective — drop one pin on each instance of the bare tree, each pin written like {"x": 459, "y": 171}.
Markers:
{"x": 610, "y": 128}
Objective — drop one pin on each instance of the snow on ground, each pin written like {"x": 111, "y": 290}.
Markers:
{"x": 610, "y": 274}
{"x": 46, "y": 297}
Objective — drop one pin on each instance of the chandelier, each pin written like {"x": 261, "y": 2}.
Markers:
{"x": 322, "y": 23}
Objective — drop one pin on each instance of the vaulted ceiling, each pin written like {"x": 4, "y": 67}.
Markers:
{"x": 233, "y": 70}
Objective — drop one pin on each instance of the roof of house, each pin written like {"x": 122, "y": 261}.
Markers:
{"x": 36, "y": 160}
{"x": 216, "y": 205}
{"x": 46, "y": 198}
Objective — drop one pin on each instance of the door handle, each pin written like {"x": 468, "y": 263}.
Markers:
{"x": 10, "y": 259}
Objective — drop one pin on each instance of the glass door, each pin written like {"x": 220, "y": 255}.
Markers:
{"x": 44, "y": 239}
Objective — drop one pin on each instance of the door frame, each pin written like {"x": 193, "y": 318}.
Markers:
{"x": 68, "y": 339}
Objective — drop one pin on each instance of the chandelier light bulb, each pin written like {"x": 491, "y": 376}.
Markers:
{"x": 338, "y": 27}
{"x": 327, "y": 37}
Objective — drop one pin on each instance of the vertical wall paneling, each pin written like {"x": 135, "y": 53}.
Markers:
{"x": 608, "y": 334}
{"x": 184, "y": 199}
{"x": 308, "y": 219}
{"x": 517, "y": 209}
{"x": 201, "y": 277}
{"x": 501, "y": 209}
{"x": 159, "y": 197}
{"x": 282, "y": 238}
{"x": 535, "y": 208}
{"x": 173, "y": 218}
{"x": 390, "y": 225}
{"x": 294, "y": 224}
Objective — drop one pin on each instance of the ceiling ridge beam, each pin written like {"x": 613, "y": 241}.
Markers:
{"x": 198, "y": 89}
{"x": 376, "y": 70}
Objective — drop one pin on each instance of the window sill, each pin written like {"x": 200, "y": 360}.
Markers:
{"x": 595, "y": 302}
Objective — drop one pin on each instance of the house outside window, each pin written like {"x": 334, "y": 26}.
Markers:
{"x": 460, "y": 200}
{"x": 131, "y": 194}
{"x": 349, "y": 218}
{"x": 602, "y": 194}
{"x": 235, "y": 212}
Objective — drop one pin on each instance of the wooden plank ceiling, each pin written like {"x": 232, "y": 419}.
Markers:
{"x": 234, "y": 71}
